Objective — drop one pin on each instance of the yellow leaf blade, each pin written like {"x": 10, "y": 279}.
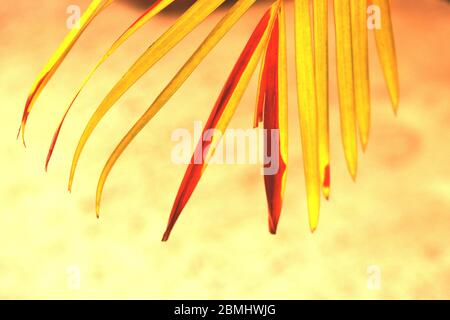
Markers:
{"x": 361, "y": 68}
{"x": 182, "y": 27}
{"x": 274, "y": 118}
{"x": 386, "y": 51}
{"x": 344, "y": 67}
{"x": 95, "y": 7}
{"x": 307, "y": 108}
{"x": 227, "y": 22}
{"x": 223, "y": 111}
{"x": 320, "y": 18}
{"x": 153, "y": 10}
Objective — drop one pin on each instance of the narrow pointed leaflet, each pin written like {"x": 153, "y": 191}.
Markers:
{"x": 153, "y": 10}
{"x": 95, "y": 7}
{"x": 384, "y": 37}
{"x": 199, "y": 11}
{"x": 222, "y": 112}
{"x": 361, "y": 68}
{"x": 225, "y": 24}
{"x": 320, "y": 17}
{"x": 307, "y": 106}
{"x": 344, "y": 65}
{"x": 273, "y": 96}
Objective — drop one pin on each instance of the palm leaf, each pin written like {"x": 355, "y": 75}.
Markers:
{"x": 228, "y": 21}
{"x": 320, "y": 17}
{"x": 361, "y": 68}
{"x": 153, "y": 10}
{"x": 182, "y": 27}
{"x": 307, "y": 106}
{"x": 267, "y": 45}
{"x": 55, "y": 61}
{"x": 386, "y": 51}
{"x": 344, "y": 61}
{"x": 223, "y": 111}
{"x": 272, "y": 104}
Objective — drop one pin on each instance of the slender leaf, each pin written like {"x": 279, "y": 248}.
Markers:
{"x": 222, "y": 113}
{"x": 275, "y": 120}
{"x": 95, "y": 7}
{"x": 386, "y": 51}
{"x": 153, "y": 10}
{"x": 307, "y": 108}
{"x": 361, "y": 68}
{"x": 182, "y": 27}
{"x": 227, "y": 22}
{"x": 344, "y": 61}
{"x": 320, "y": 17}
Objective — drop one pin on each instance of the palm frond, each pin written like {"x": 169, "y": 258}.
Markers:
{"x": 267, "y": 46}
{"x": 361, "y": 68}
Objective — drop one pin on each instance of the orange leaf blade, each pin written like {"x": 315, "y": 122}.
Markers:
{"x": 221, "y": 115}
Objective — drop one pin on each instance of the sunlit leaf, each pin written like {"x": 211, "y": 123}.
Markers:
{"x": 267, "y": 46}
{"x": 53, "y": 64}
{"x": 307, "y": 106}
{"x": 222, "y": 113}
{"x": 361, "y": 68}
{"x": 275, "y": 119}
{"x": 320, "y": 17}
{"x": 344, "y": 65}
{"x": 153, "y": 10}
{"x": 386, "y": 51}
{"x": 182, "y": 27}
{"x": 227, "y": 22}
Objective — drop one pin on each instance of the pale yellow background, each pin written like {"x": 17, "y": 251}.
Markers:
{"x": 396, "y": 217}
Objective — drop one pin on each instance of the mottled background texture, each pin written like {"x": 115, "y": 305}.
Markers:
{"x": 396, "y": 217}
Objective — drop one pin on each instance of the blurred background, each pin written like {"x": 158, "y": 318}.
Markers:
{"x": 385, "y": 236}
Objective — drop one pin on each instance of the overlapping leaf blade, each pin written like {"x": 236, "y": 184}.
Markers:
{"x": 272, "y": 111}
{"x": 95, "y": 7}
{"x": 223, "y": 111}
{"x": 228, "y": 21}
{"x": 182, "y": 27}
{"x": 153, "y": 10}
{"x": 361, "y": 68}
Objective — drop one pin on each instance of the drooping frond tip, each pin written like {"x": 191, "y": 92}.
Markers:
{"x": 271, "y": 109}
{"x": 267, "y": 46}
{"x": 228, "y": 21}
{"x": 307, "y": 106}
{"x": 153, "y": 10}
{"x": 222, "y": 112}
{"x": 199, "y": 11}
{"x": 55, "y": 61}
